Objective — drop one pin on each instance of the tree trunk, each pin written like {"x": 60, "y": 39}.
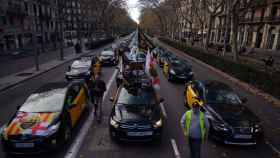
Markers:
{"x": 234, "y": 26}
{"x": 209, "y": 32}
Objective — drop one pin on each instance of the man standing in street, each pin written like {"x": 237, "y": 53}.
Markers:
{"x": 195, "y": 127}
{"x": 97, "y": 88}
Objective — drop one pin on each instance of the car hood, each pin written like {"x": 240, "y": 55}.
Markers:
{"x": 36, "y": 124}
{"x": 132, "y": 115}
{"x": 181, "y": 70}
{"x": 238, "y": 116}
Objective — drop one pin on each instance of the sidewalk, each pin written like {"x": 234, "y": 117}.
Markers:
{"x": 16, "y": 78}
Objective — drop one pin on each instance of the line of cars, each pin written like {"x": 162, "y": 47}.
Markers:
{"x": 45, "y": 121}
{"x": 231, "y": 122}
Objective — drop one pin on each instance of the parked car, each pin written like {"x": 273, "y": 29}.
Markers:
{"x": 109, "y": 57}
{"x": 231, "y": 122}
{"x": 80, "y": 69}
{"x": 46, "y": 119}
{"x": 135, "y": 116}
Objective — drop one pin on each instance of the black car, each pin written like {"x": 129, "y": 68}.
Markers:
{"x": 46, "y": 119}
{"x": 135, "y": 116}
{"x": 109, "y": 57}
{"x": 231, "y": 121}
{"x": 80, "y": 69}
{"x": 180, "y": 70}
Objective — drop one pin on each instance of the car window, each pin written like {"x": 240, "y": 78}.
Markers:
{"x": 72, "y": 94}
{"x": 50, "y": 101}
{"x": 107, "y": 53}
{"x": 142, "y": 98}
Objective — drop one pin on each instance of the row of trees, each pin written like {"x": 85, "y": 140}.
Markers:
{"x": 199, "y": 16}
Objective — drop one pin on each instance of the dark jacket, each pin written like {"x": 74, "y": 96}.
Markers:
{"x": 97, "y": 88}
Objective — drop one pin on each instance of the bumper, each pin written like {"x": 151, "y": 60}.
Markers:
{"x": 183, "y": 78}
{"x": 122, "y": 134}
{"x": 230, "y": 140}
{"x": 41, "y": 145}
{"x": 69, "y": 77}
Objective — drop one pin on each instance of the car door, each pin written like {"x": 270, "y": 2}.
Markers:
{"x": 74, "y": 106}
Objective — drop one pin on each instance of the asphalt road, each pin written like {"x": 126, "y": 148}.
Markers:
{"x": 98, "y": 144}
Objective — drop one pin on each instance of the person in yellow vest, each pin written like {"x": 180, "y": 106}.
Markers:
{"x": 195, "y": 127}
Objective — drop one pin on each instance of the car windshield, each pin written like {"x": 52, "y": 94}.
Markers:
{"x": 142, "y": 98}
{"x": 49, "y": 101}
{"x": 107, "y": 53}
{"x": 222, "y": 97}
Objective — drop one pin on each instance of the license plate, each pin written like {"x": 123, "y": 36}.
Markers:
{"x": 241, "y": 136}
{"x": 148, "y": 133}
{"x": 24, "y": 145}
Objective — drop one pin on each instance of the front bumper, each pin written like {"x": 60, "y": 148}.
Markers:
{"x": 181, "y": 78}
{"x": 77, "y": 77}
{"x": 40, "y": 145}
{"x": 122, "y": 134}
{"x": 230, "y": 139}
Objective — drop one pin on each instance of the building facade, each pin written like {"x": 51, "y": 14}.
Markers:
{"x": 23, "y": 21}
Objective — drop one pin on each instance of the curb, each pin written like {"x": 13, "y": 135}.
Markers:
{"x": 47, "y": 70}
{"x": 236, "y": 81}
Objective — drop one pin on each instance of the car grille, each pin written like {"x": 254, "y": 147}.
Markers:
{"x": 25, "y": 137}
{"x": 135, "y": 126}
{"x": 243, "y": 130}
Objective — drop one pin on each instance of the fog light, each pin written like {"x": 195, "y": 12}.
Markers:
{"x": 54, "y": 142}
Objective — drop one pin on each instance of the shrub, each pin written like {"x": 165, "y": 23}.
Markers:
{"x": 267, "y": 82}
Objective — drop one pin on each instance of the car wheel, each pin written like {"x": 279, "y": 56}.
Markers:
{"x": 65, "y": 133}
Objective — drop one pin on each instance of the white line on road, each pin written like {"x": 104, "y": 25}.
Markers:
{"x": 163, "y": 110}
{"x": 175, "y": 148}
{"x": 273, "y": 147}
{"x": 76, "y": 145}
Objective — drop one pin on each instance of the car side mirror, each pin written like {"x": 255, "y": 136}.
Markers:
{"x": 69, "y": 68}
{"x": 18, "y": 107}
{"x": 117, "y": 67}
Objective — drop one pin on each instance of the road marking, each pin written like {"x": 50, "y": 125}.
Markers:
{"x": 77, "y": 143}
{"x": 163, "y": 110}
{"x": 175, "y": 148}
{"x": 273, "y": 147}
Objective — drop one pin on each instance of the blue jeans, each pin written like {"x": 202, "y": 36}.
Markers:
{"x": 195, "y": 147}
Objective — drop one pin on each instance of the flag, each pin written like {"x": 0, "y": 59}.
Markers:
{"x": 151, "y": 71}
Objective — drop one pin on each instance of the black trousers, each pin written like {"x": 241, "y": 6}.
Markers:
{"x": 195, "y": 147}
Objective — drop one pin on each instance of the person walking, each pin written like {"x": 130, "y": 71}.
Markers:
{"x": 97, "y": 88}
{"x": 195, "y": 127}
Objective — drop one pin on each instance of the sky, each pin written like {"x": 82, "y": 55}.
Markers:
{"x": 133, "y": 9}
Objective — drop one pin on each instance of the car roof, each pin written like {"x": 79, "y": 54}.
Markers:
{"x": 216, "y": 85}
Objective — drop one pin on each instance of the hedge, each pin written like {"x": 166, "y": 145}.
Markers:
{"x": 269, "y": 83}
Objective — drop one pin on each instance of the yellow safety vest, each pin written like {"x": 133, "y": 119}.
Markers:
{"x": 201, "y": 122}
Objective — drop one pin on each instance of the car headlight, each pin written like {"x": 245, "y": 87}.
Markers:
{"x": 53, "y": 129}
{"x": 114, "y": 123}
{"x": 172, "y": 72}
{"x": 257, "y": 128}
{"x": 220, "y": 127}
{"x": 158, "y": 124}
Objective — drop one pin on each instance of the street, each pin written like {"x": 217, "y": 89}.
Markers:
{"x": 97, "y": 142}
